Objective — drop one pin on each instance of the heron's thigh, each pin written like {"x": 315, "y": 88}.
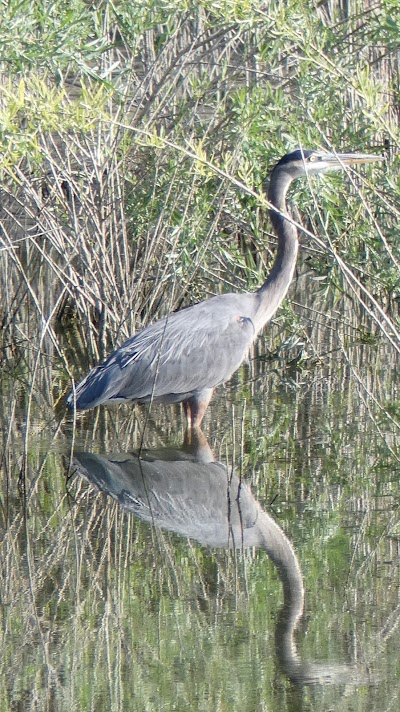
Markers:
{"x": 196, "y": 406}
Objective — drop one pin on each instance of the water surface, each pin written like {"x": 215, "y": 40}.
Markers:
{"x": 254, "y": 569}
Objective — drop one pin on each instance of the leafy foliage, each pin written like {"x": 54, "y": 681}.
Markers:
{"x": 134, "y": 142}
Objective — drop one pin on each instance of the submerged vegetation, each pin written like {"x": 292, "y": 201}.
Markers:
{"x": 134, "y": 141}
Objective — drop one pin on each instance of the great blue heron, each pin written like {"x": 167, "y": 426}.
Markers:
{"x": 184, "y": 356}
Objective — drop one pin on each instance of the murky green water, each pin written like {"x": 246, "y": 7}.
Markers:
{"x": 254, "y": 569}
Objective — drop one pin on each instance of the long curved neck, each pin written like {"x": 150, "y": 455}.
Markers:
{"x": 275, "y": 287}
{"x": 281, "y": 552}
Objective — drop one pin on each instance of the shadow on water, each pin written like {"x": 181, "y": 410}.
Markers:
{"x": 188, "y": 492}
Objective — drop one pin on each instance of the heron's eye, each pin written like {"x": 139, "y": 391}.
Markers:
{"x": 312, "y": 158}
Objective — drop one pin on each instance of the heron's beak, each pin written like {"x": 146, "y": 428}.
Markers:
{"x": 350, "y": 159}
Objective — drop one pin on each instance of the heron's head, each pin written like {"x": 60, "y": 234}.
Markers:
{"x": 303, "y": 162}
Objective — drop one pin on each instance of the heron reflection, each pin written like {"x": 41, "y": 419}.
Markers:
{"x": 188, "y": 492}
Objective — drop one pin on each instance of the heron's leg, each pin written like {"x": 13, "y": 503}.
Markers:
{"x": 196, "y": 406}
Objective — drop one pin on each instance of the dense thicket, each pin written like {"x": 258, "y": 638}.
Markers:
{"x": 134, "y": 138}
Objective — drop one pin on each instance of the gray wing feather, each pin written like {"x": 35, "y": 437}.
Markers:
{"x": 198, "y": 347}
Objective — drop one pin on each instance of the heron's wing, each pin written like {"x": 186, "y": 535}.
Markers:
{"x": 199, "y": 347}
{"x": 189, "y": 498}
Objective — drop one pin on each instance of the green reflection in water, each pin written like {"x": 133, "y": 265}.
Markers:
{"x": 102, "y": 611}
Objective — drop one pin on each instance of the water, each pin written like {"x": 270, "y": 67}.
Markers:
{"x": 107, "y": 604}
